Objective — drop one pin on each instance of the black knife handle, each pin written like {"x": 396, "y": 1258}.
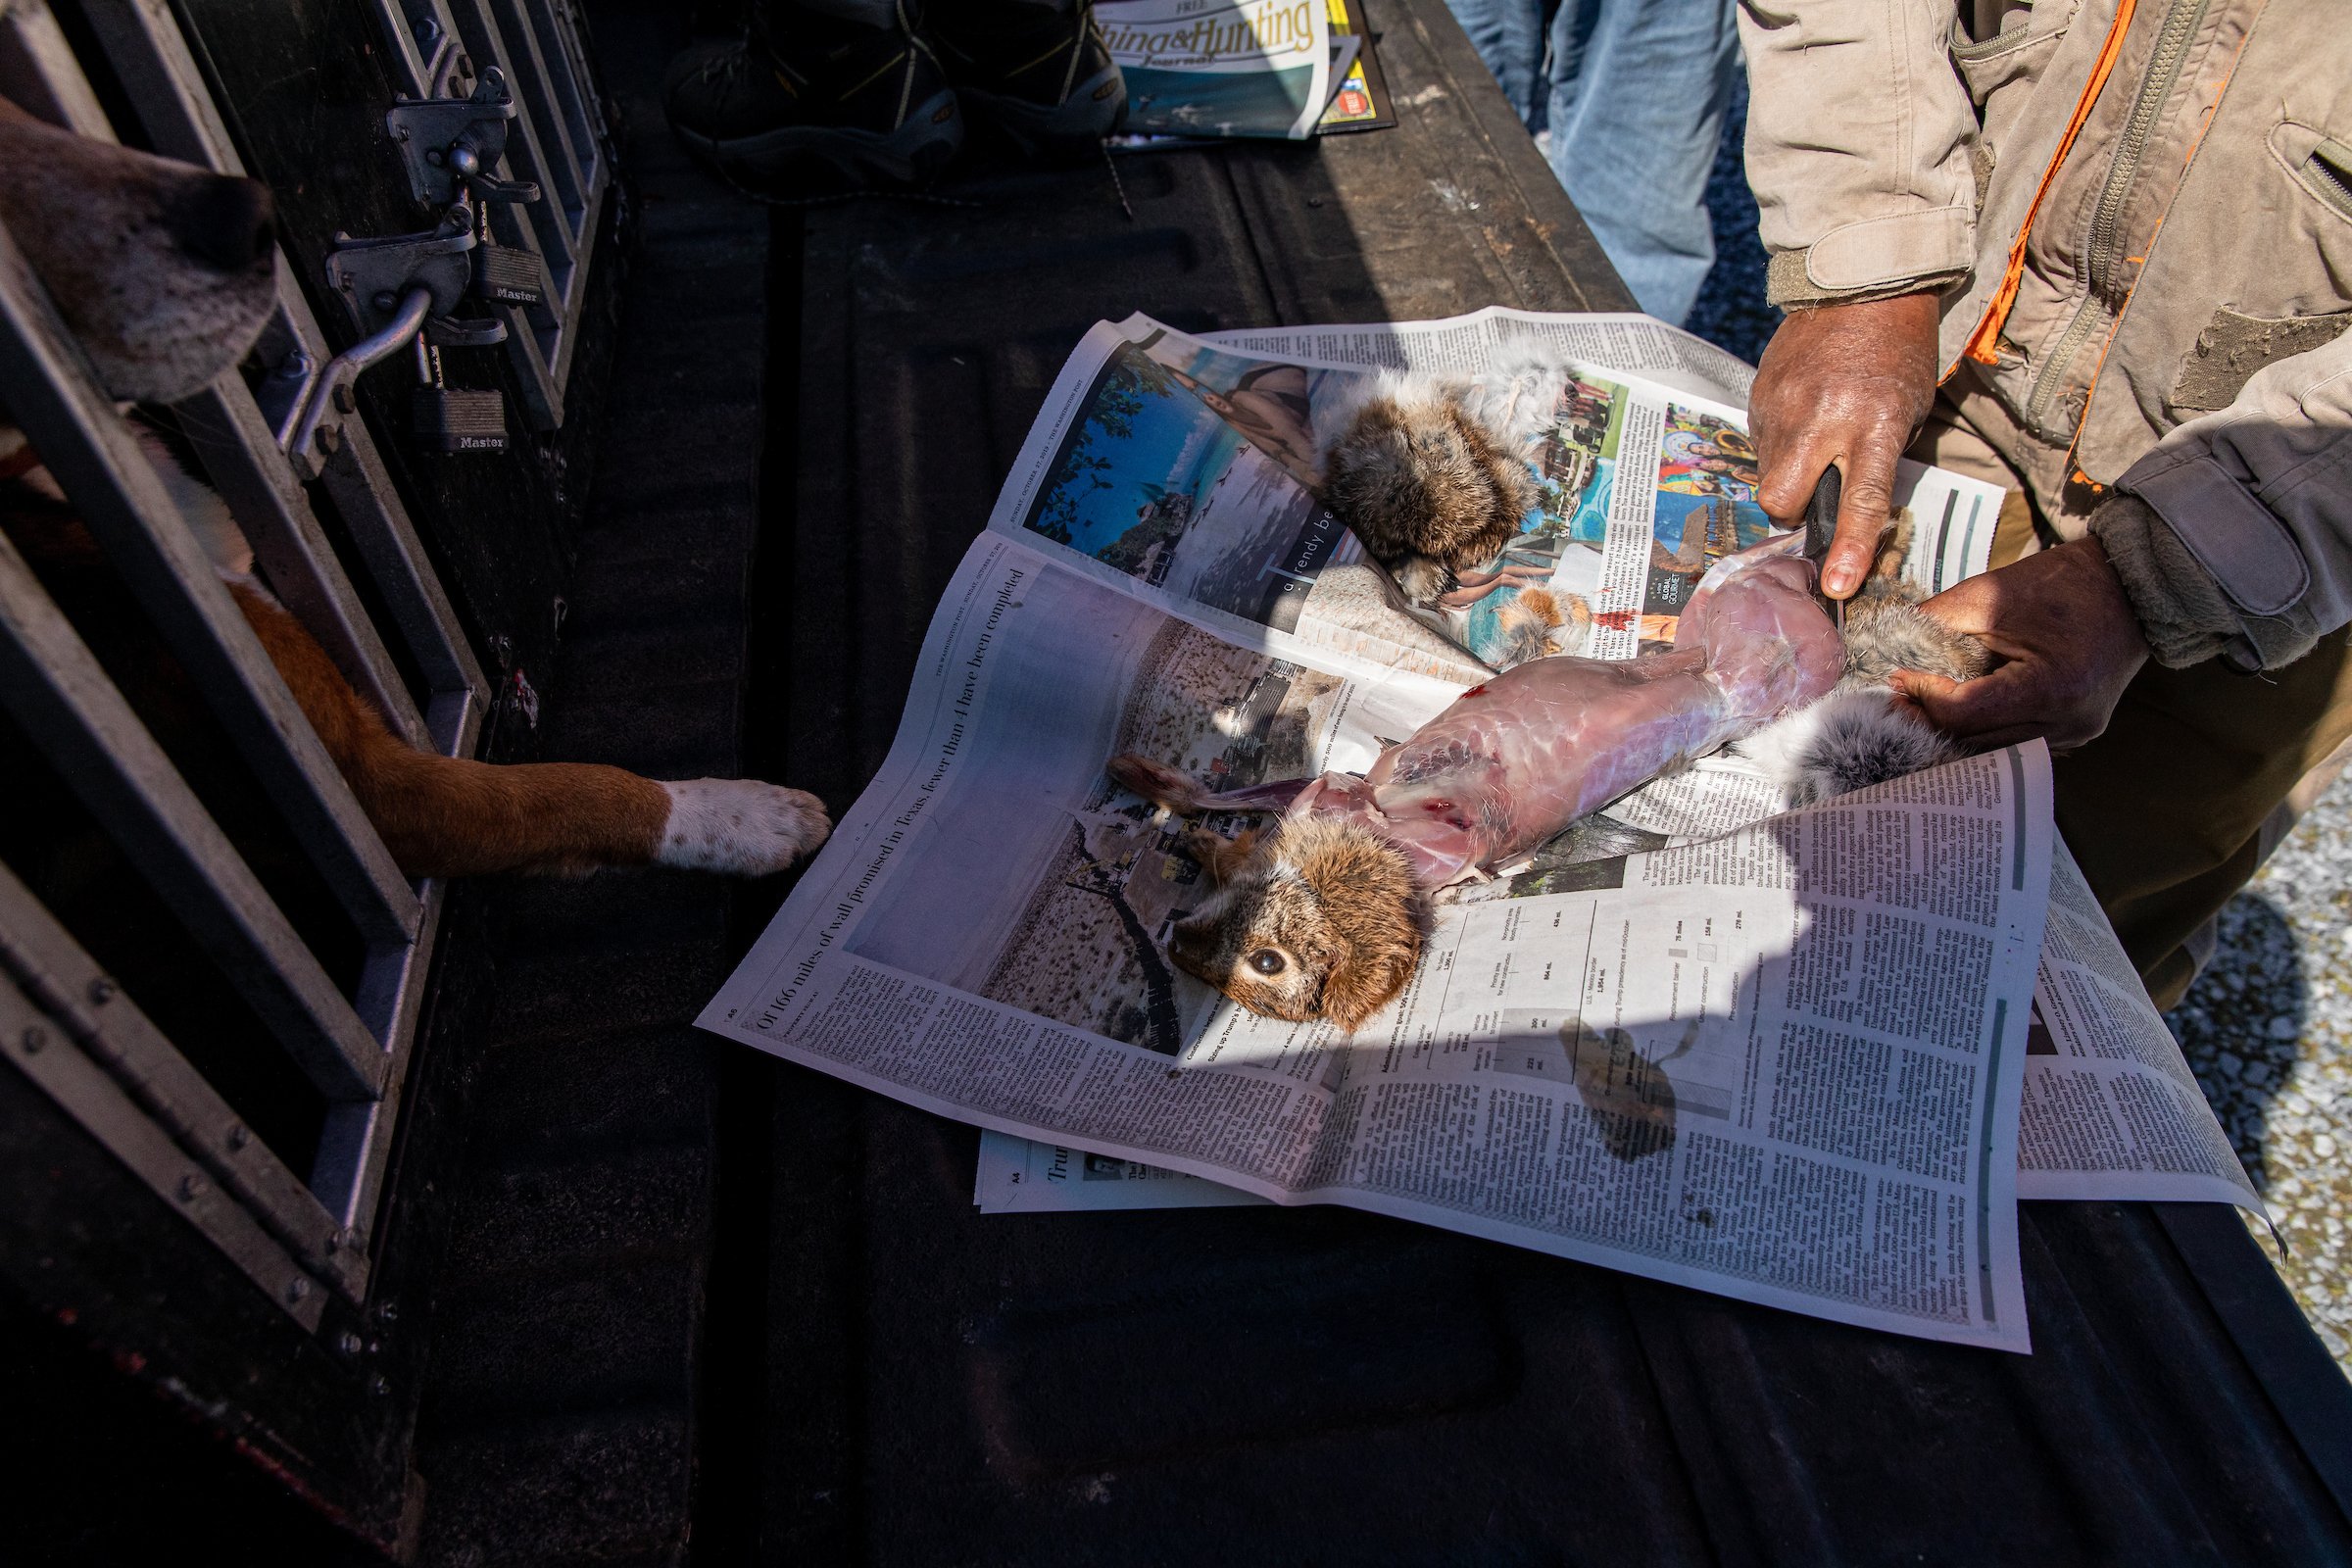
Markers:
{"x": 1821, "y": 517}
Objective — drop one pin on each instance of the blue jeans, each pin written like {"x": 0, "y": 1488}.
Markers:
{"x": 1633, "y": 94}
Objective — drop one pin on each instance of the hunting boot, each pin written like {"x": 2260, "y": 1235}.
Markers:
{"x": 819, "y": 96}
{"x": 1035, "y": 70}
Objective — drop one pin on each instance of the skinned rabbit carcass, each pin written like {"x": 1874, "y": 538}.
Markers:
{"x": 1321, "y": 914}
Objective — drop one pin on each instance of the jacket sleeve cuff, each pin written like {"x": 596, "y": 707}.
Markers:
{"x": 2184, "y": 610}
{"x": 1787, "y": 285}
{"x": 1875, "y": 259}
{"x": 2181, "y": 607}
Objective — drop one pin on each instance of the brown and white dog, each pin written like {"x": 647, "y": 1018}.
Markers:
{"x": 166, "y": 275}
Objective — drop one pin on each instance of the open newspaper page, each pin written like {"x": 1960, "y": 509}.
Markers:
{"x": 1624, "y": 343}
{"x": 2110, "y": 1110}
{"x": 2102, "y": 1075}
{"x": 1641, "y": 487}
{"x": 1022, "y": 1176}
{"x": 1692, "y": 1066}
{"x": 1203, "y": 500}
{"x": 1223, "y": 67}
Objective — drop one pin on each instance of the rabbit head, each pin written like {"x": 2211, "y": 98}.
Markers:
{"x": 1323, "y": 920}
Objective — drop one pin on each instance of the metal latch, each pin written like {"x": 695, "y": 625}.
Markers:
{"x": 451, "y": 145}
{"x": 374, "y": 276}
{"x": 395, "y": 287}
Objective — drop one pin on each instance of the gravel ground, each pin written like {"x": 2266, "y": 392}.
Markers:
{"x": 2268, "y": 1027}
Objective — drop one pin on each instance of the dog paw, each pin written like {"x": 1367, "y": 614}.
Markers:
{"x": 739, "y": 827}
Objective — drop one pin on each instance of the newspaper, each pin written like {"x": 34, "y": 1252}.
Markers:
{"x": 1777, "y": 1055}
{"x": 1642, "y": 485}
{"x": 2110, "y": 1111}
{"x": 1019, "y": 1176}
{"x": 1663, "y": 1072}
{"x": 1625, "y": 344}
{"x": 1226, "y": 68}
{"x": 1184, "y": 471}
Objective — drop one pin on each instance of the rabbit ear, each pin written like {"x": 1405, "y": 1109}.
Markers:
{"x": 1223, "y": 858}
{"x": 1362, "y": 983}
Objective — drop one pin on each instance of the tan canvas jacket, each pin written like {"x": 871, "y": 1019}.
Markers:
{"x": 2175, "y": 359}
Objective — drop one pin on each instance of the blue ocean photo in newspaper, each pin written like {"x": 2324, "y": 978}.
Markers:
{"x": 1151, "y": 481}
{"x": 1534, "y": 596}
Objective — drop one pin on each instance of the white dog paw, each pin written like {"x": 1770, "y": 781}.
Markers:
{"x": 740, "y": 827}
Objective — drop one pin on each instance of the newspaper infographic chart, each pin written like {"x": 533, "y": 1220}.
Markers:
{"x": 1689, "y": 1040}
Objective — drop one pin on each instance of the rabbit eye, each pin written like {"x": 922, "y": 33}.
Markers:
{"x": 1265, "y": 961}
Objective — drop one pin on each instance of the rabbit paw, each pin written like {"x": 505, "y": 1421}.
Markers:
{"x": 1424, "y": 580}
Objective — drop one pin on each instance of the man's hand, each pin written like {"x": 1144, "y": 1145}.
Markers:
{"x": 1843, "y": 384}
{"x": 2067, "y": 642}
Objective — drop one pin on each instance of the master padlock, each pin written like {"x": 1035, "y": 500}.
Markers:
{"x": 502, "y": 274}
{"x": 454, "y": 418}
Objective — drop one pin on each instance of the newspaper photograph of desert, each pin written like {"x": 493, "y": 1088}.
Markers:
{"x": 1087, "y": 949}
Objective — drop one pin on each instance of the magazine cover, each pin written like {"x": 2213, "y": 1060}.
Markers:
{"x": 1360, "y": 99}
{"x": 1217, "y": 68}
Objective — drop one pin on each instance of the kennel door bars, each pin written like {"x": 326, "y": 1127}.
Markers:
{"x": 354, "y": 1050}
{"x": 438, "y": 50}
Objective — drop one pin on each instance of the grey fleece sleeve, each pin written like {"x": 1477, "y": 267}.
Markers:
{"x": 2234, "y": 537}
{"x": 2182, "y": 611}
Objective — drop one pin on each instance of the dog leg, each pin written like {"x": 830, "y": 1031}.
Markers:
{"x": 450, "y": 816}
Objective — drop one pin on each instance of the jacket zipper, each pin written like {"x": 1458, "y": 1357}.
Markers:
{"x": 2334, "y": 189}
{"x": 2107, "y": 236}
